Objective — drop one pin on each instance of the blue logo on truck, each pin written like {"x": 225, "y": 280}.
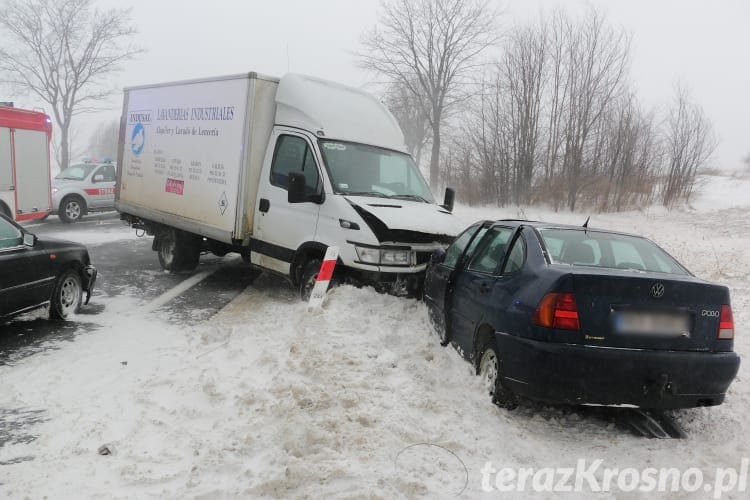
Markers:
{"x": 138, "y": 139}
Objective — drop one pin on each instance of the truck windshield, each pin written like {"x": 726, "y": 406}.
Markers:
{"x": 358, "y": 169}
{"x": 76, "y": 172}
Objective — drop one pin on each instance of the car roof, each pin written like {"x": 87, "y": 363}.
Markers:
{"x": 552, "y": 225}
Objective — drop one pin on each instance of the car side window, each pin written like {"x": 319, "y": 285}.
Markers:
{"x": 491, "y": 251}
{"x": 458, "y": 246}
{"x": 108, "y": 172}
{"x": 515, "y": 257}
{"x": 294, "y": 155}
{"x": 10, "y": 236}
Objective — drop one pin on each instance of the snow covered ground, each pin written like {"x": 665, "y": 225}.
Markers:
{"x": 268, "y": 399}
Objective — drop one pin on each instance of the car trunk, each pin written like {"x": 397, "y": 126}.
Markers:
{"x": 647, "y": 310}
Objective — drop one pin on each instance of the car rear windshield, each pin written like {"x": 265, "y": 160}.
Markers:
{"x": 578, "y": 247}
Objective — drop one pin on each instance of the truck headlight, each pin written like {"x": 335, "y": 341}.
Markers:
{"x": 55, "y": 190}
{"x": 368, "y": 255}
{"x": 395, "y": 257}
{"x": 384, "y": 256}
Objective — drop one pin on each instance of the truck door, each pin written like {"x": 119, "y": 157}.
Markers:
{"x": 102, "y": 189}
{"x": 32, "y": 171}
{"x": 283, "y": 226}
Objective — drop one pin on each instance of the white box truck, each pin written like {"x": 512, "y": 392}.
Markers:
{"x": 278, "y": 170}
{"x": 25, "y": 190}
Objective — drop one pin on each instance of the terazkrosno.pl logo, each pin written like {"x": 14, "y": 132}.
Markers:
{"x": 138, "y": 139}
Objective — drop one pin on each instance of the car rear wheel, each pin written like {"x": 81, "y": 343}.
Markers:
{"x": 72, "y": 209}
{"x": 489, "y": 371}
{"x": 66, "y": 297}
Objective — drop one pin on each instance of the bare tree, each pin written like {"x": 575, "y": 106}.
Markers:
{"x": 522, "y": 76}
{"x": 690, "y": 143}
{"x": 431, "y": 48}
{"x": 411, "y": 117}
{"x": 103, "y": 142}
{"x": 63, "y": 52}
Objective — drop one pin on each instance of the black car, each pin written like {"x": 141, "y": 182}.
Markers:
{"x": 573, "y": 315}
{"x": 36, "y": 273}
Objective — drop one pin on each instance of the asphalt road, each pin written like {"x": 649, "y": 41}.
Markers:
{"x": 127, "y": 269}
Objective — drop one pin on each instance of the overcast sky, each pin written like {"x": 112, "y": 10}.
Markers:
{"x": 703, "y": 44}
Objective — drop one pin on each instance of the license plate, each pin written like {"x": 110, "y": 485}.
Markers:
{"x": 671, "y": 324}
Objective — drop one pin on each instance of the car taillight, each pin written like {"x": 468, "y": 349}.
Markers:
{"x": 557, "y": 310}
{"x": 726, "y": 323}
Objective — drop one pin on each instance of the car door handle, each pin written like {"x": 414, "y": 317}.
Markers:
{"x": 264, "y": 205}
{"x": 484, "y": 288}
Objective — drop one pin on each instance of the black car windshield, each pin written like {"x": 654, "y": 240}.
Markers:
{"x": 579, "y": 247}
{"x": 76, "y": 172}
{"x": 10, "y": 235}
{"x": 358, "y": 169}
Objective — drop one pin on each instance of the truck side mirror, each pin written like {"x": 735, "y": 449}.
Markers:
{"x": 450, "y": 196}
{"x": 296, "y": 188}
{"x": 98, "y": 178}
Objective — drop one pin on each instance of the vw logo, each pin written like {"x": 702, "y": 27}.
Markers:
{"x": 657, "y": 290}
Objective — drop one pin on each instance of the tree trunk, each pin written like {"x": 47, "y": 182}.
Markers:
{"x": 64, "y": 147}
{"x": 435, "y": 158}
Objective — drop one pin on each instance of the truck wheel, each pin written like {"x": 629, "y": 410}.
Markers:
{"x": 178, "y": 250}
{"x": 489, "y": 371}
{"x": 72, "y": 209}
{"x": 66, "y": 297}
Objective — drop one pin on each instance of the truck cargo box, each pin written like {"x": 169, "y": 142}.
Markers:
{"x": 191, "y": 153}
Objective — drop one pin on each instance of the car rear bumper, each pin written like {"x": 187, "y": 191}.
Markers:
{"x": 576, "y": 374}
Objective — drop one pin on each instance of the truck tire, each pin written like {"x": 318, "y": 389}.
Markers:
{"x": 66, "y": 297}
{"x": 178, "y": 250}
{"x": 72, "y": 208}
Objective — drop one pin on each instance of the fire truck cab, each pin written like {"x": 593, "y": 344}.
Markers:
{"x": 25, "y": 188}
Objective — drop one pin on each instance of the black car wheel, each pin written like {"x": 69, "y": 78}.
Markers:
{"x": 489, "y": 371}
{"x": 72, "y": 209}
{"x": 66, "y": 297}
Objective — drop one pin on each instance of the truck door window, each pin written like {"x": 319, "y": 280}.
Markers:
{"x": 294, "y": 155}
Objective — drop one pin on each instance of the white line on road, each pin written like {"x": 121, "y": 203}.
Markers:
{"x": 177, "y": 290}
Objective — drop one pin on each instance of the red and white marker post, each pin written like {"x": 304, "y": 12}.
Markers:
{"x": 324, "y": 277}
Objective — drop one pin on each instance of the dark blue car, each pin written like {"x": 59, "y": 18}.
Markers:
{"x": 574, "y": 315}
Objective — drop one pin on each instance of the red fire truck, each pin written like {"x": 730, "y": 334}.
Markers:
{"x": 25, "y": 190}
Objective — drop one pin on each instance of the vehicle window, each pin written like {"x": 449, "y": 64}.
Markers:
{"x": 108, "y": 172}
{"x": 579, "y": 247}
{"x": 492, "y": 250}
{"x": 626, "y": 256}
{"x": 294, "y": 155}
{"x": 76, "y": 172}
{"x": 456, "y": 249}
{"x": 10, "y": 235}
{"x": 515, "y": 257}
{"x": 359, "y": 169}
